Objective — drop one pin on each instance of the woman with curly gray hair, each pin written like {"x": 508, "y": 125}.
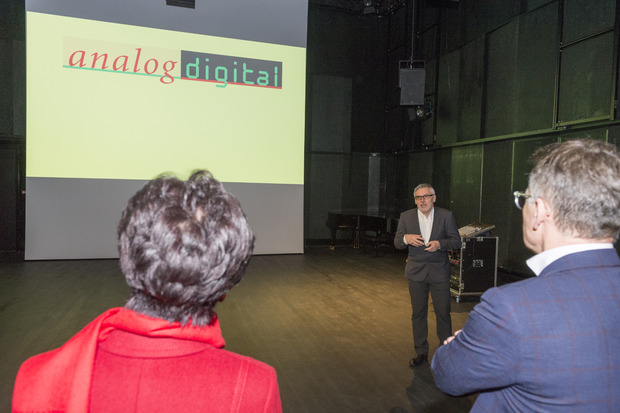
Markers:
{"x": 183, "y": 245}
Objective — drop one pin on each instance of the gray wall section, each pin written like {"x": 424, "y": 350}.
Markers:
{"x": 77, "y": 218}
{"x": 268, "y": 21}
{"x": 275, "y": 213}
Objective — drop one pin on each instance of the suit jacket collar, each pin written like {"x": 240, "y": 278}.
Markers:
{"x": 594, "y": 258}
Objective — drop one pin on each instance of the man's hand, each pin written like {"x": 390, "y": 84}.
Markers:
{"x": 432, "y": 246}
{"x": 449, "y": 339}
{"x": 414, "y": 239}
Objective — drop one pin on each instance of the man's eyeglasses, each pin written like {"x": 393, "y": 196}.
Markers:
{"x": 520, "y": 198}
{"x": 423, "y": 197}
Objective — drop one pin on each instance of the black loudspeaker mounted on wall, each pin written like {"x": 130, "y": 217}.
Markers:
{"x": 411, "y": 79}
{"x": 190, "y": 4}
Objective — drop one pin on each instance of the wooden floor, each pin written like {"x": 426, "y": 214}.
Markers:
{"x": 336, "y": 325}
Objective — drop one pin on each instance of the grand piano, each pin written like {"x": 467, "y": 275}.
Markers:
{"x": 375, "y": 228}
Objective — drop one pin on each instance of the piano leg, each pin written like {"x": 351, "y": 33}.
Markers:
{"x": 333, "y": 244}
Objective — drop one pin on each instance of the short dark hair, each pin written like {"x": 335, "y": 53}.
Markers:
{"x": 183, "y": 245}
{"x": 581, "y": 181}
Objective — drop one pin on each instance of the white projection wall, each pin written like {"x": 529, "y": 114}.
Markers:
{"x": 119, "y": 92}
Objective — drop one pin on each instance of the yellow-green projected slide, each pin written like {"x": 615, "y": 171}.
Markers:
{"x": 113, "y": 101}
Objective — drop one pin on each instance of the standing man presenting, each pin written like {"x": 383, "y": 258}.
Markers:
{"x": 429, "y": 232}
{"x": 551, "y": 343}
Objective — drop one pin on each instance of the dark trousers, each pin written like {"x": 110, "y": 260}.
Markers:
{"x": 440, "y": 294}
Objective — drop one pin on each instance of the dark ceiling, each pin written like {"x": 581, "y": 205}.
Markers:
{"x": 362, "y": 7}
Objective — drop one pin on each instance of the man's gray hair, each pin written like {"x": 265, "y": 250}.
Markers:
{"x": 581, "y": 181}
{"x": 424, "y": 186}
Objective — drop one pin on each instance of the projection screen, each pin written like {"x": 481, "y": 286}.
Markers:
{"x": 120, "y": 92}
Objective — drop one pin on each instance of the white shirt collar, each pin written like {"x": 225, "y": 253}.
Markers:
{"x": 540, "y": 261}
{"x": 424, "y": 217}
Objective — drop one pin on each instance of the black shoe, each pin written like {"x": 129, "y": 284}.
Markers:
{"x": 418, "y": 360}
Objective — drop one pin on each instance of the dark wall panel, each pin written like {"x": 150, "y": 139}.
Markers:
{"x": 586, "y": 80}
{"x": 614, "y": 135}
{"x": 429, "y": 85}
{"x": 396, "y": 122}
{"x": 442, "y": 177}
{"x": 411, "y": 170}
{"x": 470, "y": 96}
{"x": 484, "y": 16}
{"x": 399, "y": 28}
{"x": 447, "y": 110}
{"x": 428, "y": 49}
{"x": 392, "y": 89}
{"x": 450, "y": 37}
{"x": 430, "y": 15}
{"x": 6, "y": 87}
{"x": 353, "y": 47}
{"x": 10, "y": 159}
{"x": 497, "y": 200}
{"x": 330, "y": 114}
{"x": 598, "y": 134}
{"x": 584, "y": 17}
{"x": 537, "y": 57}
{"x": 501, "y": 91}
{"x": 355, "y": 188}
{"x": 327, "y": 176}
{"x": 421, "y": 166}
{"x": 465, "y": 183}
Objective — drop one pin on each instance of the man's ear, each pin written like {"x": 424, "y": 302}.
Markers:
{"x": 542, "y": 212}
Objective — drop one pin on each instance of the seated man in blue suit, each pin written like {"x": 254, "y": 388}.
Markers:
{"x": 551, "y": 343}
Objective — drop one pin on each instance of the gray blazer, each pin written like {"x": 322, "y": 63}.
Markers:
{"x": 421, "y": 263}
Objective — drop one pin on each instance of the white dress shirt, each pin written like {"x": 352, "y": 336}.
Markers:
{"x": 540, "y": 261}
{"x": 426, "y": 225}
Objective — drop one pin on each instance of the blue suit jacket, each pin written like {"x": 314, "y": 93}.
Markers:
{"x": 421, "y": 263}
{"x": 545, "y": 344}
